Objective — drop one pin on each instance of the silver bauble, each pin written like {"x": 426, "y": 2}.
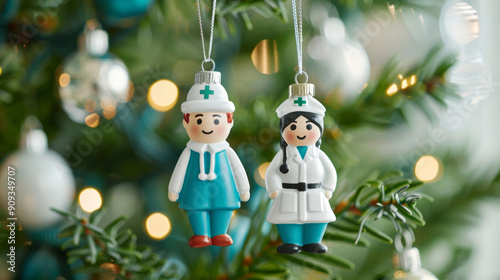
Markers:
{"x": 93, "y": 81}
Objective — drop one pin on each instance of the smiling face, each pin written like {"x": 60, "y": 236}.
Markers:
{"x": 301, "y": 132}
{"x": 211, "y": 127}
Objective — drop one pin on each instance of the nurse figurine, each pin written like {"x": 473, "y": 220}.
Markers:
{"x": 301, "y": 178}
{"x": 209, "y": 180}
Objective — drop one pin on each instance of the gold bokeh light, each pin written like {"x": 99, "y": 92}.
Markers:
{"x": 265, "y": 57}
{"x": 162, "y": 95}
{"x": 64, "y": 79}
{"x": 427, "y": 168}
{"x": 109, "y": 112}
{"x": 260, "y": 173}
{"x": 404, "y": 84}
{"x": 92, "y": 120}
{"x": 90, "y": 200}
{"x": 392, "y": 90}
{"x": 158, "y": 226}
{"x": 413, "y": 80}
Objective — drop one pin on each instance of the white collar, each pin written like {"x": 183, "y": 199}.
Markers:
{"x": 211, "y": 147}
{"x": 293, "y": 153}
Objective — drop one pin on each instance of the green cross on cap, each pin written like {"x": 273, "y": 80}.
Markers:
{"x": 206, "y": 92}
{"x": 300, "y": 102}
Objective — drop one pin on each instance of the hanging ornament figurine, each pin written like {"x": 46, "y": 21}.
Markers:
{"x": 301, "y": 178}
{"x": 407, "y": 260}
{"x": 209, "y": 181}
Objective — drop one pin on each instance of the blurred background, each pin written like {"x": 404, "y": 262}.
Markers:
{"x": 90, "y": 95}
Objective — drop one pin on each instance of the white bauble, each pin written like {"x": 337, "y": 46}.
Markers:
{"x": 410, "y": 266}
{"x": 43, "y": 179}
{"x": 459, "y": 24}
{"x": 343, "y": 67}
{"x": 420, "y": 274}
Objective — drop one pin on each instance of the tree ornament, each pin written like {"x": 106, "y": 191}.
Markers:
{"x": 116, "y": 10}
{"x": 301, "y": 178}
{"x": 209, "y": 181}
{"x": 459, "y": 24}
{"x": 339, "y": 65}
{"x": 93, "y": 81}
{"x": 407, "y": 261}
{"x": 43, "y": 179}
{"x": 344, "y": 67}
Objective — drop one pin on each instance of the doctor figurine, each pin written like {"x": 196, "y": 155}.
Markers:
{"x": 301, "y": 178}
{"x": 209, "y": 181}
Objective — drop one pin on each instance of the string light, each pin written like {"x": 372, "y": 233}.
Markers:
{"x": 392, "y": 90}
{"x": 427, "y": 168}
{"x": 404, "y": 84}
{"x": 400, "y": 76}
{"x": 158, "y": 226}
{"x": 0, "y": 70}
{"x": 64, "y": 79}
{"x": 162, "y": 95}
{"x": 90, "y": 200}
{"x": 413, "y": 80}
{"x": 109, "y": 112}
{"x": 92, "y": 120}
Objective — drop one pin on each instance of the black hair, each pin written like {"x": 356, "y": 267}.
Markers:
{"x": 286, "y": 120}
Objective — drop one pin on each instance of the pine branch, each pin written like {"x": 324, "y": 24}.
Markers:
{"x": 108, "y": 249}
{"x": 397, "y": 92}
{"x": 228, "y": 12}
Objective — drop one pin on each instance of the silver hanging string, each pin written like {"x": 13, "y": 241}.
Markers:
{"x": 205, "y": 55}
{"x": 297, "y": 24}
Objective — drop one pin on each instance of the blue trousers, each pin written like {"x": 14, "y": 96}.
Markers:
{"x": 210, "y": 222}
{"x": 302, "y": 234}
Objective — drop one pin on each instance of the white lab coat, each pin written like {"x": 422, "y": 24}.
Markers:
{"x": 310, "y": 206}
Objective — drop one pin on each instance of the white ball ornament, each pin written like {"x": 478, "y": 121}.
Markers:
{"x": 344, "y": 66}
{"x": 459, "y": 24}
{"x": 43, "y": 179}
{"x": 407, "y": 260}
{"x": 411, "y": 267}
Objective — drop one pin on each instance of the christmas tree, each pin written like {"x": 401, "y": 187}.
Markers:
{"x": 91, "y": 130}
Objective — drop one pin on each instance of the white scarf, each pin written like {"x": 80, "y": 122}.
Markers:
{"x": 212, "y": 148}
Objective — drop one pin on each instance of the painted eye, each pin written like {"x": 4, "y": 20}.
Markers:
{"x": 293, "y": 127}
{"x": 198, "y": 121}
{"x": 309, "y": 126}
{"x": 216, "y": 122}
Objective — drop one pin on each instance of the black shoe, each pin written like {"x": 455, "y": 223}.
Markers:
{"x": 287, "y": 248}
{"x": 315, "y": 248}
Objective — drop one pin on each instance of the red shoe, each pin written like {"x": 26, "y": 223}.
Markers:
{"x": 222, "y": 240}
{"x": 198, "y": 241}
